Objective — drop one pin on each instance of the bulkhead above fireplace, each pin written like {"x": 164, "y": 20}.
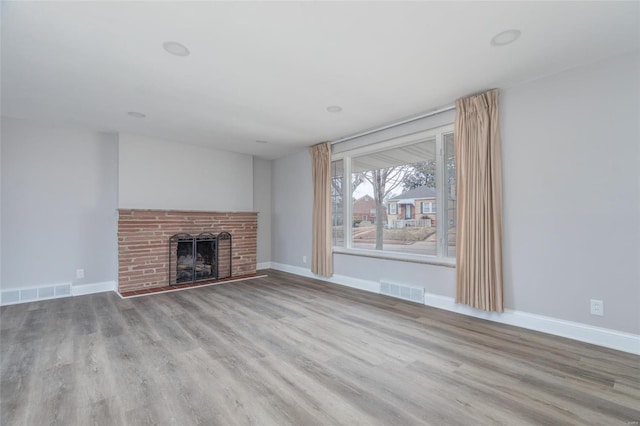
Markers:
{"x": 204, "y": 257}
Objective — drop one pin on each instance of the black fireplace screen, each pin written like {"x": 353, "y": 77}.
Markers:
{"x": 205, "y": 257}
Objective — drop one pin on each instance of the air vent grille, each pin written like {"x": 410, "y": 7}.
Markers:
{"x": 402, "y": 291}
{"x": 10, "y": 297}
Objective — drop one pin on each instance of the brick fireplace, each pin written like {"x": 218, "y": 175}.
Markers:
{"x": 143, "y": 242}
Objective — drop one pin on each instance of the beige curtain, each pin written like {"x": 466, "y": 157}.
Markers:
{"x": 479, "y": 190}
{"x": 321, "y": 256}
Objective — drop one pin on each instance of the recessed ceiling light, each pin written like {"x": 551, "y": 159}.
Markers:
{"x": 176, "y": 48}
{"x": 334, "y": 108}
{"x": 262, "y": 141}
{"x": 505, "y": 37}
{"x": 136, "y": 114}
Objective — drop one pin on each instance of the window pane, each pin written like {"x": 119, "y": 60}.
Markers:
{"x": 450, "y": 173}
{"x": 403, "y": 177}
{"x": 337, "y": 205}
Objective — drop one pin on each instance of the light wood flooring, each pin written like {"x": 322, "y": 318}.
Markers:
{"x": 287, "y": 350}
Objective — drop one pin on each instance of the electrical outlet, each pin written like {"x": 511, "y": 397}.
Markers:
{"x": 597, "y": 307}
{"x": 304, "y": 259}
{"x": 79, "y": 273}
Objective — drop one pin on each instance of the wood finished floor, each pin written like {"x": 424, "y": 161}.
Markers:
{"x": 289, "y": 350}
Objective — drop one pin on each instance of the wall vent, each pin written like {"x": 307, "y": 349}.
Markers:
{"x": 10, "y": 296}
{"x": 31, "y": 294}
{"x": 402, "y": 291}
{"x": 46, "y": 292}
{"x": 63, "y": 290}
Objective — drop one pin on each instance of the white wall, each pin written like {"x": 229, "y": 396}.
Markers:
{"x": 1, "y": 205}
{"x": 291, "y": 203}
{"x": 262, "y": 205}
{"x": 571, "y": 194}
{"x": 59, "y": 201}
{"x": 159, "y": 174}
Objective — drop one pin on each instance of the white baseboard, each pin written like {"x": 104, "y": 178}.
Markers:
{"x": 336, "y": 279}
{"x": 82, "y": 289}
{"x": 263, "y": 265}
{"x": 293, "y": 269}
{"x": 608, "y": 338}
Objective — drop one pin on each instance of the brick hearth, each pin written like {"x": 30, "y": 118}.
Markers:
{"x": 143, "y": 243}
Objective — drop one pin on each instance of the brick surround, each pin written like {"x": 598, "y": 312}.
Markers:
{"x": 143, "y": 243}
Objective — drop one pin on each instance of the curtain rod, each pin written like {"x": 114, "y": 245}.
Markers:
{"x": 397, "y": 123}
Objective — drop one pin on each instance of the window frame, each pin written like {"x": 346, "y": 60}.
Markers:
{"x": 437, "y": 134}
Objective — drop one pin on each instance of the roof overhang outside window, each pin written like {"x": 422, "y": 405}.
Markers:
{"x": 400, "y": 156}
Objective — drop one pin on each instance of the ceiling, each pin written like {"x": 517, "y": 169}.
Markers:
{"x": 268, "y": 71}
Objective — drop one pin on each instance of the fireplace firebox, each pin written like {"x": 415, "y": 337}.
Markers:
{"x": 204, "y": 257}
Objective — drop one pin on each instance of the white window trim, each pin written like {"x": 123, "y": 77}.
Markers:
{"x": 392, "y": 255}
{"x": 441, "y": 192}
{"x": 417, "y": 137}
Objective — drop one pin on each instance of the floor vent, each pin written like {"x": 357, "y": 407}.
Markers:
{"x": 401, "y": 291}
{"x": 10, "y": 297}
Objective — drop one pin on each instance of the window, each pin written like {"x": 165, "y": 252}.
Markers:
{"x": 337, "y": 206}
{"x": 450, "y": 195}
{"x": 414, "y": 172}
{"x": 427, "y": 207}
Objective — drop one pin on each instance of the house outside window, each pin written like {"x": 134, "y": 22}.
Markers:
{"x": 364, "y": 209}
{"x": 410, "y": 183}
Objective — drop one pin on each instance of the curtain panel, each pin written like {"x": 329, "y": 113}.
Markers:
{"x": 479, "y": 280}
{"x": 321, "y": 252}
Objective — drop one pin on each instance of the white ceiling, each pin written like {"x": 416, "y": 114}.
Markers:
{"x": 267, "y": 71}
